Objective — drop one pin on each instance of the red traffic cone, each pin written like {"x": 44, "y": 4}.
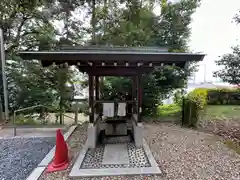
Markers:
{"x": 61, "y": 160}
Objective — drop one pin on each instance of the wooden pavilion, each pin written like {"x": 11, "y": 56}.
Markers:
{"x": 107, "y": 61}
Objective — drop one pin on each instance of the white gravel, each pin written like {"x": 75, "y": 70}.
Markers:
{"x": 188, "y": 154}
{"x": 182, "y": 154}
{"x": 19, "y": 156}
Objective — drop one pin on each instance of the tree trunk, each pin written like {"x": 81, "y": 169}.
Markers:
{"x": 93, "y": 22}
{"x": 105, "y": 17}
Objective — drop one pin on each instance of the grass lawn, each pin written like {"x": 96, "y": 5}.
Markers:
{"x": 169, "y": 110}
{"x": 212, "y": 112}
{"x": 166, "y": 113}
{"x": 222, "y": 112}
{"x": 226, "y": 121}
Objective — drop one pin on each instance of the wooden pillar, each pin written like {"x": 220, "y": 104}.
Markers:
{"x": 97, "y": 87}
{"x": 91, "y": 97}
{"x": 97, "y": 110}
{"x": 139, "y": 97}
{"x": 134, "y": 93}
{"x": 101, "y": 83}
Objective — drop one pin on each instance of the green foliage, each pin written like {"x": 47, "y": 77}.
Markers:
{"x": 156, "y": 86}
{"x": 199, "y": 96}
{"x": 25, "y": 120}
{"x": 173, "y": 29}
{"x": 224, "y": 96}
{"x": 178, "y": 97}
{"x": 196, "y": 101}
{"x": 193, "y": 104}
{"x": 29, "y": 26}
{"x": 137, "y": 25}
{"x": 84, "y": 108}
{"x": 230, "y": 71}
{"x": 190, "y": 113}
{"x": 168, "y": 110}
{"x": 114, "y": 88}
{"x": 30, "y": 84}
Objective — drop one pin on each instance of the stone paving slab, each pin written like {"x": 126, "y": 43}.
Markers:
{"x": 115, "y": 154}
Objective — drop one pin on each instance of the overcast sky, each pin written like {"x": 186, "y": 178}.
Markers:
{"x": 214, "y": 32}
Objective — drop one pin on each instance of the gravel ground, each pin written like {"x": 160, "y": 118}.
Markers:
{"x": 19, "y": 156}
{"x": 182, "y": 154}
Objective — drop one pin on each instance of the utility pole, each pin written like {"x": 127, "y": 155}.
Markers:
{"x": 1, "y": 110}
{"x": 4, "y": 79}
{"x": 205, "y": 73}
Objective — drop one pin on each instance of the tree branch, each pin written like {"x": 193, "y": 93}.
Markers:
{"x": 18, "y": 36}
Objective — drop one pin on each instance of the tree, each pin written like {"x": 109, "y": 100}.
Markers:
{"x": 24, "y": 26}
{"x": 28, "y": 26}
{"x": 135, "y": 24}
{"x": 32, "y": 26}
{"x": 230, "y": 67}
{"x": 236, "y": 18}
{"x": 230, "y": 63}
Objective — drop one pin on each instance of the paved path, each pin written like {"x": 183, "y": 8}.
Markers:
{"x": 19, "y": 156}
{"x": 29, "y": 132}
{"x": 42, "y": 132}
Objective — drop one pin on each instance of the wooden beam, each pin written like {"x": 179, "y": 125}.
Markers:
{"x": 113, "y": 71}
{"x": 145, "y": 65}
{"x": 95, "y": 57}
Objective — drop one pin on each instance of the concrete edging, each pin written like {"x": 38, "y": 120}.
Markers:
{"x": 76, "y": 172}
{"x": 37, "y": 172}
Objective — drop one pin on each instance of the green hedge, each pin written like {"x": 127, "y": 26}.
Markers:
{"x": 223, "y": 96}
{"x": 196, "y": 101}
{"x": 193, "y": 103}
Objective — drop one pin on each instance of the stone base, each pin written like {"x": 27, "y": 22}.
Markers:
{"x": 92, "y": 136}
{"x": 115, "y": 160}
{"x": 121, "y": 129}
{"x": 102, "y": 126}
{"x": 138, "y": 134}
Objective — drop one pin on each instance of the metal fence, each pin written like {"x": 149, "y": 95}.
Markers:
{"x": 53, "y": 118}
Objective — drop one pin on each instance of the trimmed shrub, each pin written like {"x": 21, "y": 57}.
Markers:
{"x": 223, "y": 96}
{"x": 193, "y": 104}
{"x": 199, "y": 96}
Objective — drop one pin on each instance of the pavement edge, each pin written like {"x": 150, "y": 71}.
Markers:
{"x": 37, "y": 172}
